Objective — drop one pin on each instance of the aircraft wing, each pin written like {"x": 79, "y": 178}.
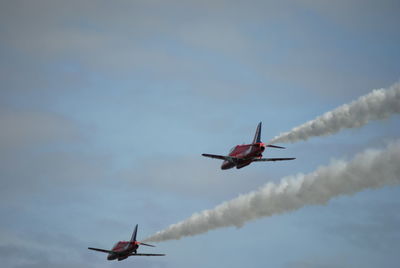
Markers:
{"x": 222, "y": 157}
{"x": 102, "y": 250}
{"x": 272, "y": 159}
{"x": 146, "y": 254}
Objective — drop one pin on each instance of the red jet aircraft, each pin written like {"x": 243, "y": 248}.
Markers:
{"x": 242, "y": 155}
{"x": 125, "y": 249}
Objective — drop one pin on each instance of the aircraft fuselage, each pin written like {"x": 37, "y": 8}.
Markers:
{"x": 245, "y": 154}
{"x": 122, "y": 250}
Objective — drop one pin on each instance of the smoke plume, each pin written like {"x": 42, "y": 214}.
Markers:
{"x": 379, "y": 104}
{"x": 369, "y": 169}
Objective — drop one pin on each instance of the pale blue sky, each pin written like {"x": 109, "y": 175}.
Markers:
{"x": 106, "y": 107}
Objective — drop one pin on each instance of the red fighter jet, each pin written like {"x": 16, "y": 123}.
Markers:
{"x": 125, "y": 249}
{"x": 242, "y": 155}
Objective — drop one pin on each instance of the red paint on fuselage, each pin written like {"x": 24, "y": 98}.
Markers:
{"x": 122, "y": 250}
{"x": 245, "y": 154}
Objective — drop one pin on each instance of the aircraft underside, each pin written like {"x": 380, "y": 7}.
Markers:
{"x": 243, "y": 164}
{"x": 122, "y": 258}
{"x": 238, "y": 164}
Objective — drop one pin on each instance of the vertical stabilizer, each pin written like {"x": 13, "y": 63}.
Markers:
{"x": 133, "y": 239}
{"x": 257, "y": 136}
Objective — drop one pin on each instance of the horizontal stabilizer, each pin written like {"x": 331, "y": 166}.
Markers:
{"x": 144, "y": 244}
{"x": 272, "y": 159}
{"x": 275, "y": 146}
{"x": 146, "y": 254}
{"x": 102, "y": 250}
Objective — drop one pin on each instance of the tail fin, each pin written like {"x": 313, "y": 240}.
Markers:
{"x": 257, "y": 136}
{"x": 133, "y": 239}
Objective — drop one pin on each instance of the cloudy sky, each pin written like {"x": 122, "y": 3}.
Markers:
{"x": 106, "y": 107}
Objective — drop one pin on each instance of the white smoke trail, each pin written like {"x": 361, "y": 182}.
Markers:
{"x": 379, "y": 104}
{"x": 370, "y": 169}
